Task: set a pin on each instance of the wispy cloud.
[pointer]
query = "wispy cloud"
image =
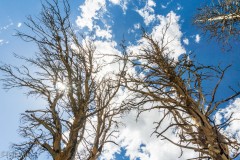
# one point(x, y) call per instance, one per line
point(122, 3)
point(2, 42)
point(147, 12)
point(164, 6)
point(103, 33)
point(179, 7)
point(6, 26)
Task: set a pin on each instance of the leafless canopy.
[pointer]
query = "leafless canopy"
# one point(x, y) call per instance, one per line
point(221, 19)
point(175, 88)
point(80, 115)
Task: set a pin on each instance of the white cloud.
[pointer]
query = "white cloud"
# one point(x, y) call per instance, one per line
point(90, 10)
point(117, 2)
point(104, 54)
point(163, 6)
point(19, 25)
point(151, 3)
point(197, 38)
point(136, 138)
point(224, 114)
point(186, 41)
point(173, 33)
point(147, 12)
point(91, 13)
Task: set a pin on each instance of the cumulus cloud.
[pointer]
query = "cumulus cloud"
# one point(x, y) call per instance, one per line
point(90, 10)
point(137, 139)
point(173, 35)
point(91, 14)
point(94, 10)
point(197, 38)
point(105, 54)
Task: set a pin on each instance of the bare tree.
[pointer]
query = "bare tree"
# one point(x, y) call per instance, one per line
point(221, 19)
point(80, 113)
point(176, 88)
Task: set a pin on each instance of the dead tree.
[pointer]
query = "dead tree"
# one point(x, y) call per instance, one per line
point(221, 19)
point(175, 87)
point(79, 115)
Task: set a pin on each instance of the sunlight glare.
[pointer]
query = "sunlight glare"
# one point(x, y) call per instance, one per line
point(61, 86)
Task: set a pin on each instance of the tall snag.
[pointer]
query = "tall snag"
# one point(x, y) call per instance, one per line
point(176, 88)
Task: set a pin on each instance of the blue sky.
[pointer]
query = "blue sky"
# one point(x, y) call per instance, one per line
point(113, 20)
